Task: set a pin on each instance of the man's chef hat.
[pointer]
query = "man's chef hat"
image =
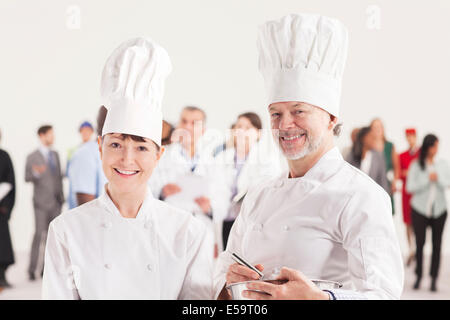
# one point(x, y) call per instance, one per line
point(132, 88)
point(302, 58)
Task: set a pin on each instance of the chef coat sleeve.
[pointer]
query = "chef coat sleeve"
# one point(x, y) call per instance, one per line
point(418, 179)
point(374, 257)
point(198, 280)
point(58, 282)
point(234, 244)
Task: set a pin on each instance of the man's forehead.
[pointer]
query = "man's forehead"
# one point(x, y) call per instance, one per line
point(289, 104)
point(191, 114)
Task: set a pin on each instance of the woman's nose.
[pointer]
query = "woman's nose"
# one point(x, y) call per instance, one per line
point(128, 155)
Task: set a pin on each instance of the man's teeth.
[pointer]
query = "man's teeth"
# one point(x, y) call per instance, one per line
point(126, 172)
point(292, 138)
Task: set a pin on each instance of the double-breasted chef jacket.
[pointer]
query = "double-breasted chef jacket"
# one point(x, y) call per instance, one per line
point(93, 252)
point(334, 223)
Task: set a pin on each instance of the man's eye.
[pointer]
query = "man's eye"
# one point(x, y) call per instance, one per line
point(298, 111)
point(274, 115)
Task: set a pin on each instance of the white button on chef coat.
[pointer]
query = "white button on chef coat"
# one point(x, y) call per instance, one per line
point(113, 262)
point(338, 226)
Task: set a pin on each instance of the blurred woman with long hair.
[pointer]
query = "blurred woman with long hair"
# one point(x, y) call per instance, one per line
point(427, 180)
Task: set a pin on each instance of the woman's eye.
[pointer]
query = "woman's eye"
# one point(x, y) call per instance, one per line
point(141, 148)
point(115, 145)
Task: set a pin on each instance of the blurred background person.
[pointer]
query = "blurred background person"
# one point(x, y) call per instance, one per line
point(364, 157)
point(245, 166)
point(167, 130)
point(405, 159)
point(427, 180)
point(229, 142)
point(86, 131)
point(7, 198)
point(187, 176)
point(387, 148)
point(43, 169)
point(86, 177)
point(347, 150)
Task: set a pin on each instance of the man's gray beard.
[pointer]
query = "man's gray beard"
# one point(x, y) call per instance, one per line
point(310, 148)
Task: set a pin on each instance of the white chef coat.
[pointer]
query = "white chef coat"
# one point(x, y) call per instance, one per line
point(93, 252)
point(334, 223)
point(258, 166)
point(174, 164)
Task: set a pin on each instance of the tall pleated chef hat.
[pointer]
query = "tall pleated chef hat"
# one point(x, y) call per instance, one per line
point(132, 88)
point(302, 58)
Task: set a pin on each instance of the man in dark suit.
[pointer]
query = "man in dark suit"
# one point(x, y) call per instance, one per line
point(7, 197)
point(44, 171)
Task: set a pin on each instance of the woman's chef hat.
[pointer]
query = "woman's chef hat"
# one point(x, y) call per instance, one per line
point(302, 58)
point(132, 88)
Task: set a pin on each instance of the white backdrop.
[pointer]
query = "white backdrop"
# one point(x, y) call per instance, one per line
point(53, 52)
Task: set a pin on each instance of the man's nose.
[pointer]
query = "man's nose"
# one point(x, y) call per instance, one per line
point(286, 121)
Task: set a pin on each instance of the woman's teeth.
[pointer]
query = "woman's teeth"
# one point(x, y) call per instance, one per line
point(126, 172)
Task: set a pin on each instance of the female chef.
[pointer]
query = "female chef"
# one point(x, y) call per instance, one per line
point(127, 244)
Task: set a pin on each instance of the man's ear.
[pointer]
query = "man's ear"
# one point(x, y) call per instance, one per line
point(333, 122)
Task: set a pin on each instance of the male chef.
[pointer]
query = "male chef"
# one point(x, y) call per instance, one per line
point(324, 219)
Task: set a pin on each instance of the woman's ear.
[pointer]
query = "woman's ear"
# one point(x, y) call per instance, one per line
point(99, 142)
point(160, 153)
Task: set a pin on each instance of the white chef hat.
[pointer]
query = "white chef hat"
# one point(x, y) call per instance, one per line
point(132, 88)
point(302, 58)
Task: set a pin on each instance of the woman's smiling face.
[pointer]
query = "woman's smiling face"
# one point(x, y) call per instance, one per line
point(127, 163)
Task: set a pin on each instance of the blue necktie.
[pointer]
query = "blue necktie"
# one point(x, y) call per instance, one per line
point(51, 162)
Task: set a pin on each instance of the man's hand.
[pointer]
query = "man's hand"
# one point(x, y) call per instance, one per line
point(39, 169)
point(204, 204)
point(238, 273)
point(170, 189)
point(297, 287)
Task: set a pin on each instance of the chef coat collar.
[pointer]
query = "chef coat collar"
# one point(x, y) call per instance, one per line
point(327, 165)
point(143, 213)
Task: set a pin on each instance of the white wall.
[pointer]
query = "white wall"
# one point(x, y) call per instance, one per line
point(50, 71)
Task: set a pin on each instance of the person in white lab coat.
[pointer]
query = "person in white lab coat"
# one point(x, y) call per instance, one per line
point(126, 244)
point(246, 164)
point(189, 178)
point(324, 219)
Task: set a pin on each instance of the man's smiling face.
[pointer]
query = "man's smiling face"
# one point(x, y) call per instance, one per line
point(298, 128)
